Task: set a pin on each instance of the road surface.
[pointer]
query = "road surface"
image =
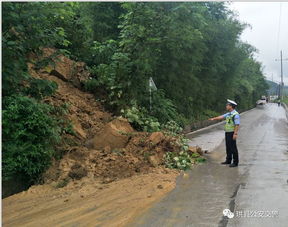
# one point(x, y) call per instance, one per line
point(256, 192)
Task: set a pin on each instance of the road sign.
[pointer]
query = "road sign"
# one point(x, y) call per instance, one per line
point(152, 84)
point(153, 87)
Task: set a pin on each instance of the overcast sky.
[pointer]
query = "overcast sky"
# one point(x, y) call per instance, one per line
point(264, 18)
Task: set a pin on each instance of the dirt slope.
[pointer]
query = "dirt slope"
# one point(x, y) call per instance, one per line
point(104, 147)
point(109, 172)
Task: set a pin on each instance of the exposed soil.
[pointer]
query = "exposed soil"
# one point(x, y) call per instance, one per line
point(109, 172)
point(104, 147)
point(86, 202)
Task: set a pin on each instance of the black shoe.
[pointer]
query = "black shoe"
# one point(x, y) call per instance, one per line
point(225, 163)
point(233, 165)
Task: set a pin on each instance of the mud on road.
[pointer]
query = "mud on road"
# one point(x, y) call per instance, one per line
point(258, 184)
point(200, 195)
point(86, 203)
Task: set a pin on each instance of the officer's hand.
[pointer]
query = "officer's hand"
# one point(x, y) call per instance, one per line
point(235, 136)
point(211, 119)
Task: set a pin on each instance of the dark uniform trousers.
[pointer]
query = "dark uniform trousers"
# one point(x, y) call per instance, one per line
point(231, 148)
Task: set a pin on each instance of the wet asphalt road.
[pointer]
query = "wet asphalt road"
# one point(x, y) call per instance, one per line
point(256, 191)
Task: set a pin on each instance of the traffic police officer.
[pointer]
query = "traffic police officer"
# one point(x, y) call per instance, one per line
point(231, 132)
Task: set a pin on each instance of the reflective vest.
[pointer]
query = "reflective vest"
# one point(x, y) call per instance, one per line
point(230, 125)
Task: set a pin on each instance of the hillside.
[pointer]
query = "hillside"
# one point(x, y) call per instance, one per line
point(81, 116)
point(195, 63)
point(274, 88)
point(103, 146)
point(105, 161)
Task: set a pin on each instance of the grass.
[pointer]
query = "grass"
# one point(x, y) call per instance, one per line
point(285, 100)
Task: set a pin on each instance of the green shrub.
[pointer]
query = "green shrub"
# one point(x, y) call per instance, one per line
point(172, 128)
point(39, 88)
point(140, 119)
point(200, 159)
point(91, 85)
point(285, 100)
point(181, 160)
point(29, 133)
point(109, 82)
point(183, 142)
point(163, 108)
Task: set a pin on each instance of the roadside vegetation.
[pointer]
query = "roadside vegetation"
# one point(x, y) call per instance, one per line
point(191, 50)
point(285, 100)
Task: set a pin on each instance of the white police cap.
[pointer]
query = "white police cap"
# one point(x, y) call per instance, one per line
point(231, 102)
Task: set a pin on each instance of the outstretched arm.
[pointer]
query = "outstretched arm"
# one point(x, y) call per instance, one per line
point(216, 118)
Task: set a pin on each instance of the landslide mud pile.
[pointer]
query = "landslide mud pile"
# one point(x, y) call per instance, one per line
point(103, 147)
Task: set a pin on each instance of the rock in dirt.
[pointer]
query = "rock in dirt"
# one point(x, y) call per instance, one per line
point(154, 160)
point(77, 126)
point(115, 134)
point(65, 68)
point(159, 186)
point(195, 149)
point(192, 149)
point(77, 172)
point(107, 149)
point(199, 150)
point(156, 137)
point(107, 180)
point(119, 151)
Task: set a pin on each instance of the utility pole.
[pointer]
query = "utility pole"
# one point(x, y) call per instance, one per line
point(275, 90)
point(282, 83)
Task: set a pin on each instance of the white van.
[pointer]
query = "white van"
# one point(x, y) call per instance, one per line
point(262, 101)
